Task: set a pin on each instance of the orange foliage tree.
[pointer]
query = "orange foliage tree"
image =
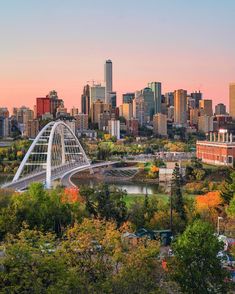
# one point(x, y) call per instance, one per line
point(209, 205)
point(71, 195)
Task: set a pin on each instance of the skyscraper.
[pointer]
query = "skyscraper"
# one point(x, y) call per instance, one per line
point(180, 107)
point(156, 87)
point(128, 97)
point(85, 100)
point(220, 109)
point(232, 100)
point(205, 107)
point(197, 96)
point(108, 79)
point(97, 92)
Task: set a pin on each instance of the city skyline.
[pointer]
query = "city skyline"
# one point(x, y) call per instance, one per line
point(182, 45)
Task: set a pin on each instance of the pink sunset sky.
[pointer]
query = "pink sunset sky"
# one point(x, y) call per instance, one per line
point(54, 45)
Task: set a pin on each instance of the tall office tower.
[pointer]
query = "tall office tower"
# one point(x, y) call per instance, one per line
point(145, 98)
point(85, 100)
point(232, 100)
point(97, 108)
point(160, 124)
point(169, 98)
point(108, 79)
point(197, 96)
point(205, 107)
point(220, 109)
point(55, 103)
point(4, 122)
point(205, 123)
point(128, 97)
point(126, 110)
point(97, 92)
point(180, 107)
point(193, 116)
point(156, 87)
point(113, 99)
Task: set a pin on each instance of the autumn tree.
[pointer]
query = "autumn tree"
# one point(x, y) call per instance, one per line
point(209, 205)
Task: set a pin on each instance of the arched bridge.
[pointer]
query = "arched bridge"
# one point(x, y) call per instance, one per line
point(54, 154)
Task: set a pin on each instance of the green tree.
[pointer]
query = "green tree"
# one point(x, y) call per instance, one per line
point(31, 264)
point(106, 202)
point(195, 265)
point(176, 193)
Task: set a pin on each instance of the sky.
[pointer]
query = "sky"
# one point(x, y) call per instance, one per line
point(62, 44)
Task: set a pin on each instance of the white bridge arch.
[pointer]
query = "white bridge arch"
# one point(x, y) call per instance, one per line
point(55, 151)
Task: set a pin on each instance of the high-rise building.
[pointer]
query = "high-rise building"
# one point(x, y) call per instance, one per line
point(97, 108)
point(197, 96)
point(4, 122)
point(108, 79)
point(114, 128)
point(128, 97)
point(169, 99)
point(205, 107)
point(32, 128)
point(85, 100)
point(220, 109)
point(180, 107)
point(144, 106)
point(104, 118)
point(156, 87)
point(193, 116)
point(160, 124)
point(81, 121)
point(97, 92)
point(43, 106)
point(113, 99)
point(126, 110)
point(205, 123)
point(232, 100)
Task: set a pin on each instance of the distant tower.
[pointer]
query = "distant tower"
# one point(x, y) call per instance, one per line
point(156, 87)
point(108, 79)
point(85, 100)
point(232, 100)
point(180, 107)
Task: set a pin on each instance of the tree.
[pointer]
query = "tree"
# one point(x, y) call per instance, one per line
point(195, 265)
point(176, 194)
point(105, 202)
point(228, 189)
point(31, 264)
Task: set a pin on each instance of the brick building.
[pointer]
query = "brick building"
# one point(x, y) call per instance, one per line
point(219, 149)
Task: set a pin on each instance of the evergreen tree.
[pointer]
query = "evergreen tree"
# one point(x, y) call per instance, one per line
point(228, 189)
point(177, 201)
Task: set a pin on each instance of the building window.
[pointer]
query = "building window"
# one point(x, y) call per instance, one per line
point(230, 159)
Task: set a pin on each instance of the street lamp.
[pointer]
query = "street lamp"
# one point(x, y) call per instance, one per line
point(218, 222)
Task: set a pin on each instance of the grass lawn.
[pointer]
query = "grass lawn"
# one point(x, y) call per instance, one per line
point(131, 198)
